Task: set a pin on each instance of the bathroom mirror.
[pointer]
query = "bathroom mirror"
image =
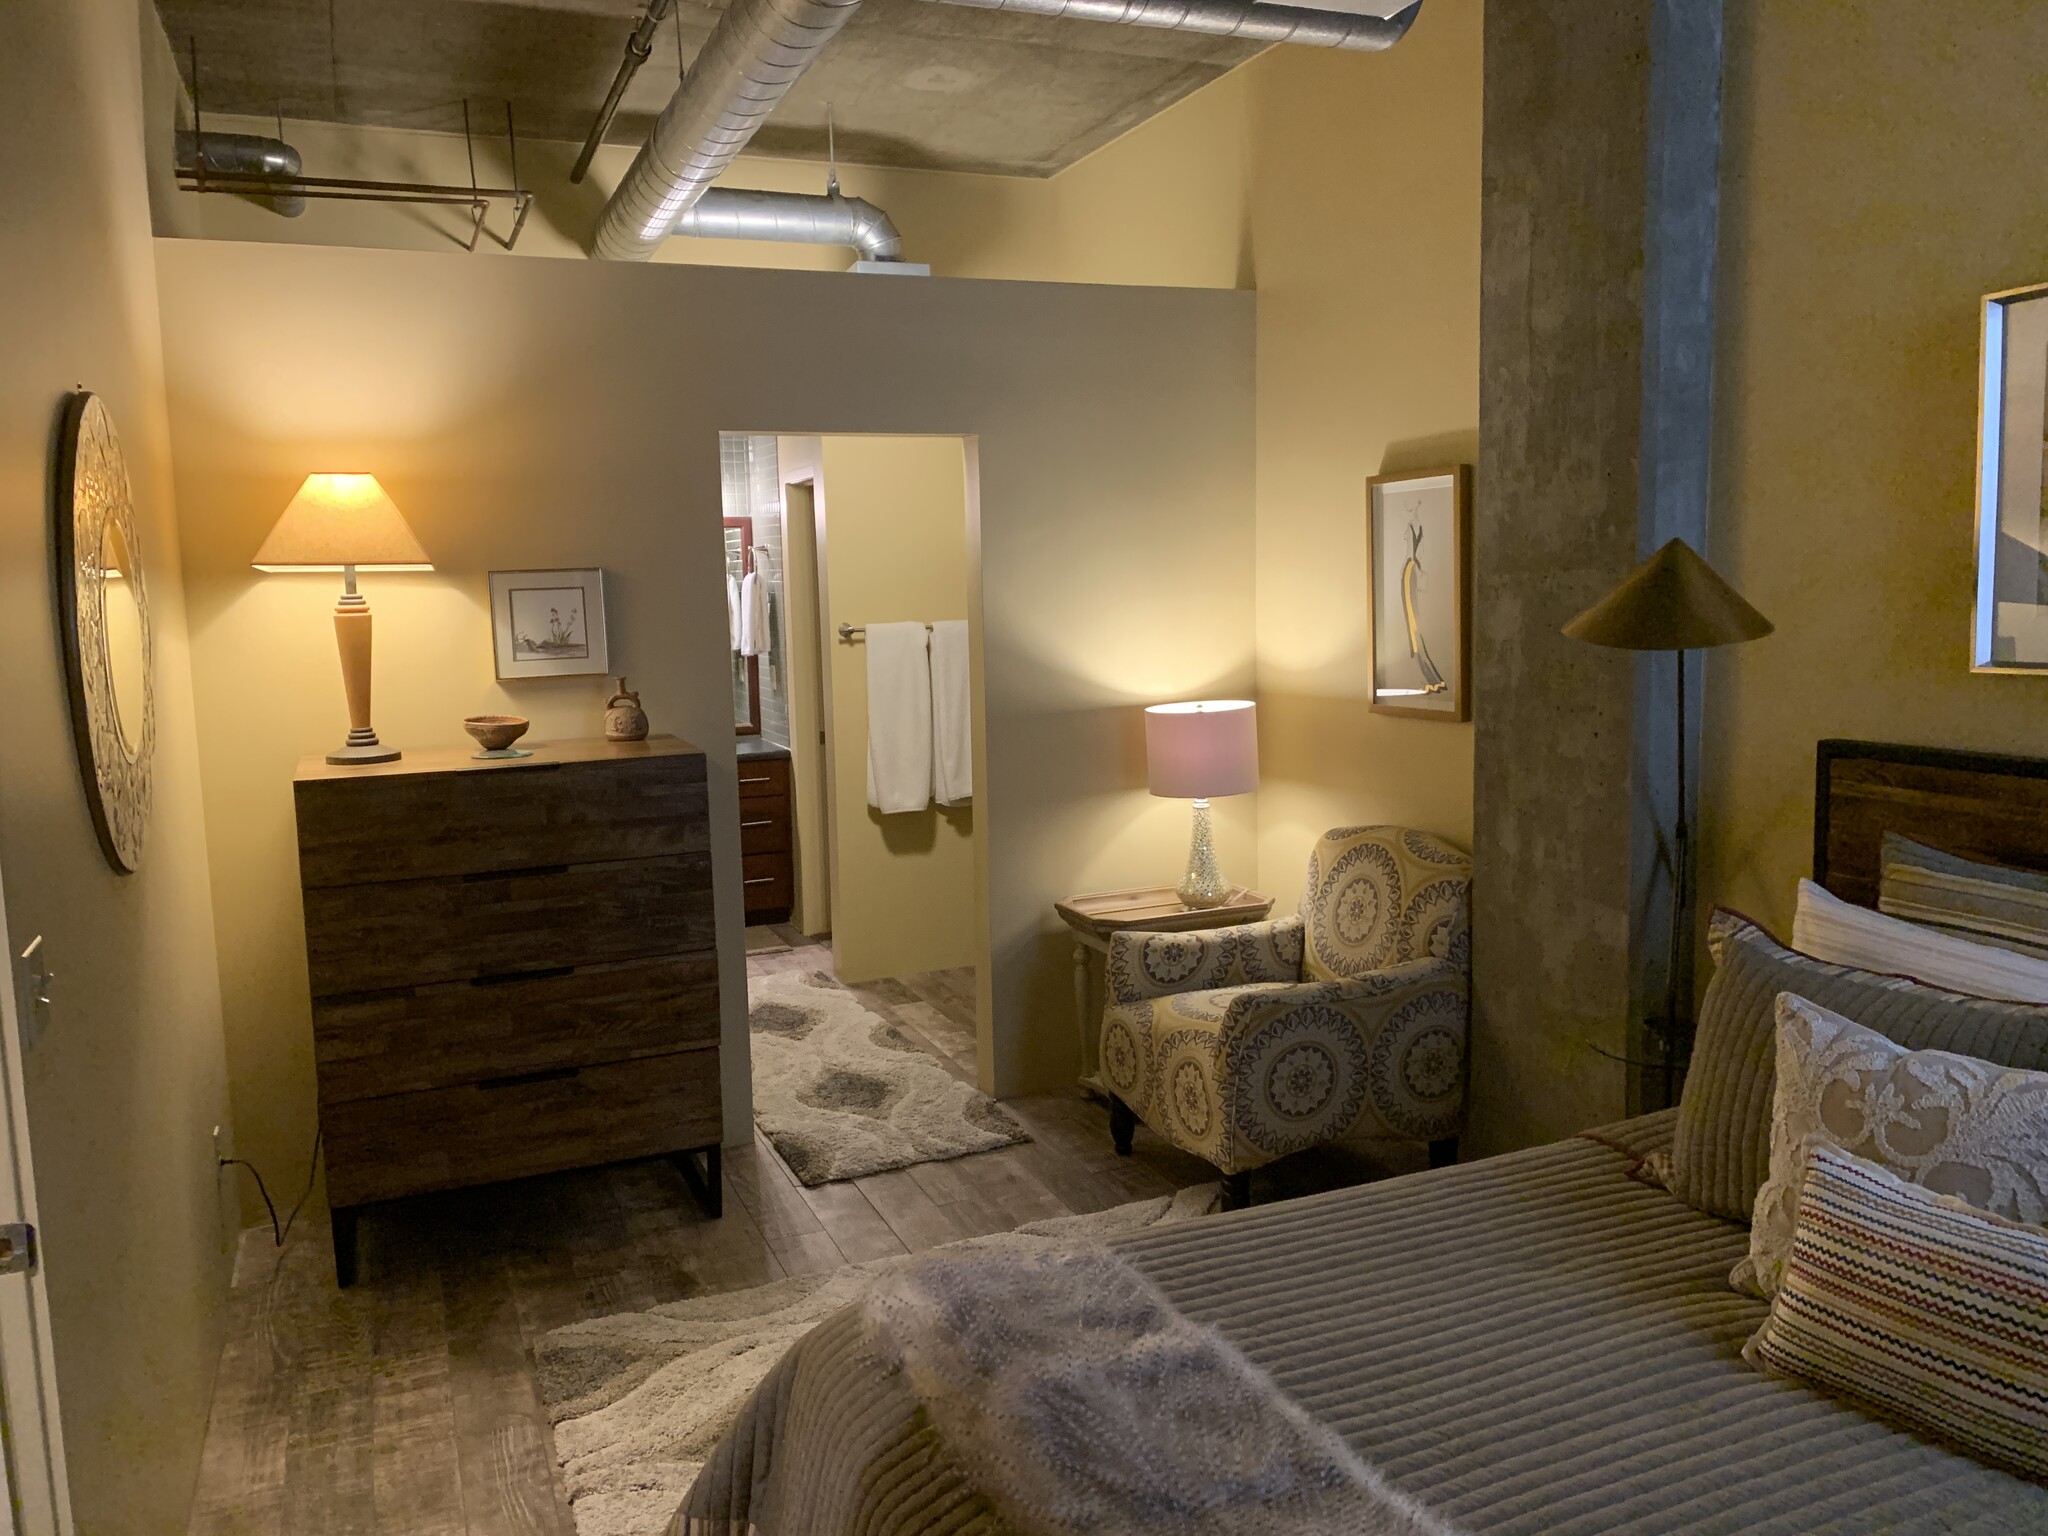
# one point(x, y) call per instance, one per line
point(103, 603)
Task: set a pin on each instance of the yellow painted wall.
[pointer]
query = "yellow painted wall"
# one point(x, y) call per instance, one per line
point(1364, 233)
point(556, 413)
point(903, 887)
point(1877, 181)
point(128, 1080)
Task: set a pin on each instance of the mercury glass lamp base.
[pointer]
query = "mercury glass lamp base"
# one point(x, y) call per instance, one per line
point(1203, 885)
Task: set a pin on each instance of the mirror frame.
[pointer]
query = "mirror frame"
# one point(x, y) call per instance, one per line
point(91, 491)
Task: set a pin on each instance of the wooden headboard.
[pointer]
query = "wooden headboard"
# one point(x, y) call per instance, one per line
point(1982, 805)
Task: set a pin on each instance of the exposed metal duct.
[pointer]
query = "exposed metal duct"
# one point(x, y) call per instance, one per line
point(247, 154)
point(802, 218)
point(639, 47)
point(747, 65)
point(1258, 22)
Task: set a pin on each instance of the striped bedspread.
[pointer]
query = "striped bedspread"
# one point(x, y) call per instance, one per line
point(1531, 1344)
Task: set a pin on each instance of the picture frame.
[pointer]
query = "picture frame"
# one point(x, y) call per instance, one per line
point(2009, 613)
point(548, 624)
point(1419, 565)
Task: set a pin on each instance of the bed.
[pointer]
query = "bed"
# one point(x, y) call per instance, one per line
point(1542, 1342)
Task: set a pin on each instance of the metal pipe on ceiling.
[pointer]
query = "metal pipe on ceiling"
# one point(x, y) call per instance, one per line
point(242, 155)
point(1252, 20)
point(639, 46)
point(802, 218)
point(754, 55)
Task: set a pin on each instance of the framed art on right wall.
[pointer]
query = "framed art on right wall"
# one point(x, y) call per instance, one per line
point(2009, 621)
point(1421, 573)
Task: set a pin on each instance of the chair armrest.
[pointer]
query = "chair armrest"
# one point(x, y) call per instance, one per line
point(1148, 965)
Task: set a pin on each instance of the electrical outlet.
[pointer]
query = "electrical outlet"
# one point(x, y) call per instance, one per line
point(223, 1144)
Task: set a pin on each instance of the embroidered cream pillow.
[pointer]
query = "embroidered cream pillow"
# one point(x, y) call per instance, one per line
point(1951, 1124)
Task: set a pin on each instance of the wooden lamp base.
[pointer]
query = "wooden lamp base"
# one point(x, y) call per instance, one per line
point(352, 635)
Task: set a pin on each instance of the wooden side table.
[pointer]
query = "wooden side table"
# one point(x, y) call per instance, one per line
point(1148, 909)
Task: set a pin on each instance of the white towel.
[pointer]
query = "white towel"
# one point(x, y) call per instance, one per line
point(899, 719)
point(952, 715)
point(753, 636)
point(732, 610)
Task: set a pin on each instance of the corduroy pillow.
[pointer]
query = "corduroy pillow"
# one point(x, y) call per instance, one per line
point(1721, 1153)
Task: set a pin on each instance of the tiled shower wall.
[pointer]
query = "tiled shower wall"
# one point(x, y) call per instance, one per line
point(753, 488)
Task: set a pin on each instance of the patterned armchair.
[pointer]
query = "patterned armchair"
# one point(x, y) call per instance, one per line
point(1244, 1044)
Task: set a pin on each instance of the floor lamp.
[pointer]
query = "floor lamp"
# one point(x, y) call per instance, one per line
point(1674, 601)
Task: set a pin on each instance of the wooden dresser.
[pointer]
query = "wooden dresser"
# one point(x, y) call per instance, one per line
point(512, 967)
point(767, 833)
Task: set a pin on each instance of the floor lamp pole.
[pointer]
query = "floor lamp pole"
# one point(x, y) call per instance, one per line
point(1681, 868)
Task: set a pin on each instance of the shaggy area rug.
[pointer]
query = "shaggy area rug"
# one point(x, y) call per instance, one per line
point(840, 1092)
point(638, 1400)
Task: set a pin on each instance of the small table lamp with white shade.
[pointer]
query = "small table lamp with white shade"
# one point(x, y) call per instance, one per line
point(1200, 752)
point(346, 523)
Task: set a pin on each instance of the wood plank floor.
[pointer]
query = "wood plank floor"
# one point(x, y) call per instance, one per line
point(407, 1403)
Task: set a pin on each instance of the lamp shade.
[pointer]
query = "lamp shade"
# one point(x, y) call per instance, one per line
point(1673, 601)
point(1202, 750)
point(339, 520)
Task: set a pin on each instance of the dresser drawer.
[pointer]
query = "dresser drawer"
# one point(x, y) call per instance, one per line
point(466, 1031)
point(422, 825)
point(403, 933)
point(769, 880)
point(764, 826)
point(516, 1127)
point(764, 778)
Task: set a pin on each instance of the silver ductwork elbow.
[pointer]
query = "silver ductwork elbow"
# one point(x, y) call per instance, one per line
point(1253, 22)
point(756, 52)
point(243, 154)
point(723, 213)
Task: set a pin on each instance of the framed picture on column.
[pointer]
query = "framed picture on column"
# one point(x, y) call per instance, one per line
point(1420, 575)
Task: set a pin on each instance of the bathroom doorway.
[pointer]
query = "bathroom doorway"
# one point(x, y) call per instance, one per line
point(869, 694)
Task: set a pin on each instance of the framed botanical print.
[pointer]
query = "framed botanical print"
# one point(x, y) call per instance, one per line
point(2009, 631)
point(548, 624)
point(1421, 576)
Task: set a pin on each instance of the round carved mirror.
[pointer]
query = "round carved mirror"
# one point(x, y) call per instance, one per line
point(104, 604)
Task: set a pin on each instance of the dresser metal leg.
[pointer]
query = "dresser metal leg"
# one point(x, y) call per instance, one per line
point(343, 1224)
point(708, 1183)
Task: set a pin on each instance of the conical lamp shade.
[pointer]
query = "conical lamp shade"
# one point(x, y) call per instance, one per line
point(1673, 601)
point(338, 520)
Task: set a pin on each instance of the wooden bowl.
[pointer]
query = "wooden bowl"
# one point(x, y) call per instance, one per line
point(494, 733)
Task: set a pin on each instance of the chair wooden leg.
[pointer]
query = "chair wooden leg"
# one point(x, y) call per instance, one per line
point(1123, 1124)
point(1237, 1190)
point(343, 1223)
point(1443, 1152)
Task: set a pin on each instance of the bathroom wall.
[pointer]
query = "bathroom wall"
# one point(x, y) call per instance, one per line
point(904, 896)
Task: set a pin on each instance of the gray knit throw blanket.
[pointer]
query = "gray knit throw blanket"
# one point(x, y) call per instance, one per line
point(1078, 1400)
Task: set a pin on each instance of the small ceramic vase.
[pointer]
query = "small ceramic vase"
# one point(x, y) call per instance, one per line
point(624, 719)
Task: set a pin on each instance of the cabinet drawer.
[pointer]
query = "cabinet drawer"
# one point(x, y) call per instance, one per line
point(764, 826)
point(769, 881)
point(513, 1128)
point(417, 826)
point(403, 933)
point(763, 778)
point(466, 1031)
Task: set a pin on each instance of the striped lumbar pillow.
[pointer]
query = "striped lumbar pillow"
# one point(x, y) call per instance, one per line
point(1931, 1312)
point(1986, 902)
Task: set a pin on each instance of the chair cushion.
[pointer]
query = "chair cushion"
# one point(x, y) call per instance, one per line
point(1381, 896)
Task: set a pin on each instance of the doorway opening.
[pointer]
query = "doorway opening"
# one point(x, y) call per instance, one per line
point(855, 606)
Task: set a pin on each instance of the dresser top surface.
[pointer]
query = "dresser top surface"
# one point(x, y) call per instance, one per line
point(438, 760)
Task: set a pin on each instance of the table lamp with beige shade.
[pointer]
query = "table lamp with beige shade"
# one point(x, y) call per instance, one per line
point(1200, 751)
point(346, 523)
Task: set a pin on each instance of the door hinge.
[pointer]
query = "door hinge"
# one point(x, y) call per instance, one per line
point(17, 1248)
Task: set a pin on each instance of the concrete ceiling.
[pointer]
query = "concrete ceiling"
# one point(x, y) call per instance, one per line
point(910, 83)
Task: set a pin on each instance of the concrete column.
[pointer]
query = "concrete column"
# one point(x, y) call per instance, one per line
point(1595, 341)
